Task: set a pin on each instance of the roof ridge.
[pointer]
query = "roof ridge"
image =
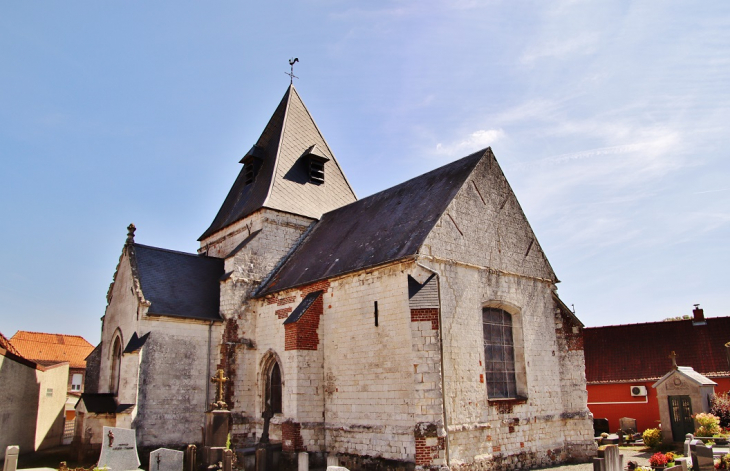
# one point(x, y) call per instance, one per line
point(278, 145)
point(50, 333)
point(195, 255)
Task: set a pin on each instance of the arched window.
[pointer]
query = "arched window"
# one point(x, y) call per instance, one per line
point(273, 389)
point(499, 353)
point(116, 363)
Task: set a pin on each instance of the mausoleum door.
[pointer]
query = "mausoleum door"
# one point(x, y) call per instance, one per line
point(680, 413)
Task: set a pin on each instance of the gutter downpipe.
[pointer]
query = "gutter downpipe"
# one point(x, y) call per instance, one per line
point(441, 353)
point(207, 389)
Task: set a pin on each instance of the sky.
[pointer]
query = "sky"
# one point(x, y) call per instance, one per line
point(609, 119)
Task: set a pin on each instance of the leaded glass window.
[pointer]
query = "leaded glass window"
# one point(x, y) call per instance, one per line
point(499, 353)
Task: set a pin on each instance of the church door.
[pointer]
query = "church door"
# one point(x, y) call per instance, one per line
point(680, 413)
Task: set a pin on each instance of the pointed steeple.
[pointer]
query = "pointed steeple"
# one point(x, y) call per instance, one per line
point(290, 168)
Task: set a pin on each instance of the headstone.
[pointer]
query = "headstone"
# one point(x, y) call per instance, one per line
point(687, 440)
point(261, 458)
point(599, 464)
point(191, 458)
point(332, 460)
point(119, 449)
point(612, 460)
point(702, 458)
point(303, 464)
point(600, 426)
point(164, 459)
point(11, 458)
point(228, 460)
point(626, 424)
point(337, 468)
point(682, 463)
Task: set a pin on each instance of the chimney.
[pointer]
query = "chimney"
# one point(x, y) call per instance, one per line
point(699, 314)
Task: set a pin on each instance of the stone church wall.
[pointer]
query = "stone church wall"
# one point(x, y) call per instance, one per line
point(486, 255)
point(175, 357)
point(121, 317)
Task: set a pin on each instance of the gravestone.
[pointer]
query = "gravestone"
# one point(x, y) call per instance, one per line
point(600, 426)
point(11, 458)
point(626, 424)
point(119, 449)
point(164, 459)
point(702, 459)
point(612, 460)
point(687, 440)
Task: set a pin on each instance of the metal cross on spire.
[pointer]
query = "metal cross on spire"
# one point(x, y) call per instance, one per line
point(291, 74)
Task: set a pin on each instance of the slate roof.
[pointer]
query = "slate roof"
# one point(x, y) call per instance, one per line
point(99, 403)
point(282, 182)
point(384, 227)
point(639, 352)
point(179, 284)
point(49, 349)
point(303, 307)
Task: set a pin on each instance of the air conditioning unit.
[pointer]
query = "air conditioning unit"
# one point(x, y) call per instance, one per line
point(638, 390)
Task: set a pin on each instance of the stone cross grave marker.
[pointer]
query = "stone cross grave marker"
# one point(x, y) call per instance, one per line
point(119, 449)
point(164, 459)
point(11, 458)
point(613, 461)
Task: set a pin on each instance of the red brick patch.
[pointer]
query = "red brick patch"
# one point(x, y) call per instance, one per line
point(302, 334)
point(431, 315)
point(287, 300)
point(283, 313)
point(426, 454)
point(291, 437)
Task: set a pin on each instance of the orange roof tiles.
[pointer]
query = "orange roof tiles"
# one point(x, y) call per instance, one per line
point(5, 343)
point(48, 349)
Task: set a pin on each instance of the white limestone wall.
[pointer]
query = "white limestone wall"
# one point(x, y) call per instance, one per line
point(277, 229)
point(176, 368)
point(486, 254)
point(121, 318)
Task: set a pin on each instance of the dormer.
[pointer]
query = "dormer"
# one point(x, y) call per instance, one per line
point(252, 163)
point(315, 160)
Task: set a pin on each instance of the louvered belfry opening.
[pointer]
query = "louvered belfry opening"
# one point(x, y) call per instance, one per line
point(252, 163)
point(316, 159)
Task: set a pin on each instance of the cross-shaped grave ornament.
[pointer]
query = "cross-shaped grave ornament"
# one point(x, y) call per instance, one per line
point(220, 379)
point(673, 356)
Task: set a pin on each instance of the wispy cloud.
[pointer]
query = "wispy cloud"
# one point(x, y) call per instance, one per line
point(580, 45)
point(473, 142)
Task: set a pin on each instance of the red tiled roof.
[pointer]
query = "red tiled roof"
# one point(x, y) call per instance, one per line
point(641, 351)
point(48, 349)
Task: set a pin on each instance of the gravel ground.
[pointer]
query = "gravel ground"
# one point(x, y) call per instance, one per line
point(630, 454)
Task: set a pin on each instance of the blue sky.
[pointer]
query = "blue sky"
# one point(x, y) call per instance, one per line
point(610, 120)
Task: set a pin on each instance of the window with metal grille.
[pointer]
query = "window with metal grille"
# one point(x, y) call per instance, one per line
point(499, 353)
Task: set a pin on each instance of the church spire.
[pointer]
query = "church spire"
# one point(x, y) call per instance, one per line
point(290, 168)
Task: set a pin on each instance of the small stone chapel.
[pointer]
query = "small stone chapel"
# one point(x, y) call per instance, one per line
point(419, 326)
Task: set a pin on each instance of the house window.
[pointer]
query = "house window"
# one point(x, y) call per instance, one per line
point(499, 353)
point(49, 392)
point(273, 389)
point(76, 382)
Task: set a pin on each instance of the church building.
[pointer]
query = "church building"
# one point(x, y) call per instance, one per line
point(419, 326)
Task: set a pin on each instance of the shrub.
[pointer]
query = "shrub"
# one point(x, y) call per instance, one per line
point(652, 437)
point(658, 459)
point(709, 425)
point(720, 407)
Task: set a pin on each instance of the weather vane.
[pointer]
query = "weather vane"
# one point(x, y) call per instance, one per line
point(291, 74)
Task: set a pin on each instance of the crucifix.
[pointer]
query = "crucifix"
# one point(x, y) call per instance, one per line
point(158, 462)
point(673, 356)
point(110, 435)
point(220, 379)
point(291, 74)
